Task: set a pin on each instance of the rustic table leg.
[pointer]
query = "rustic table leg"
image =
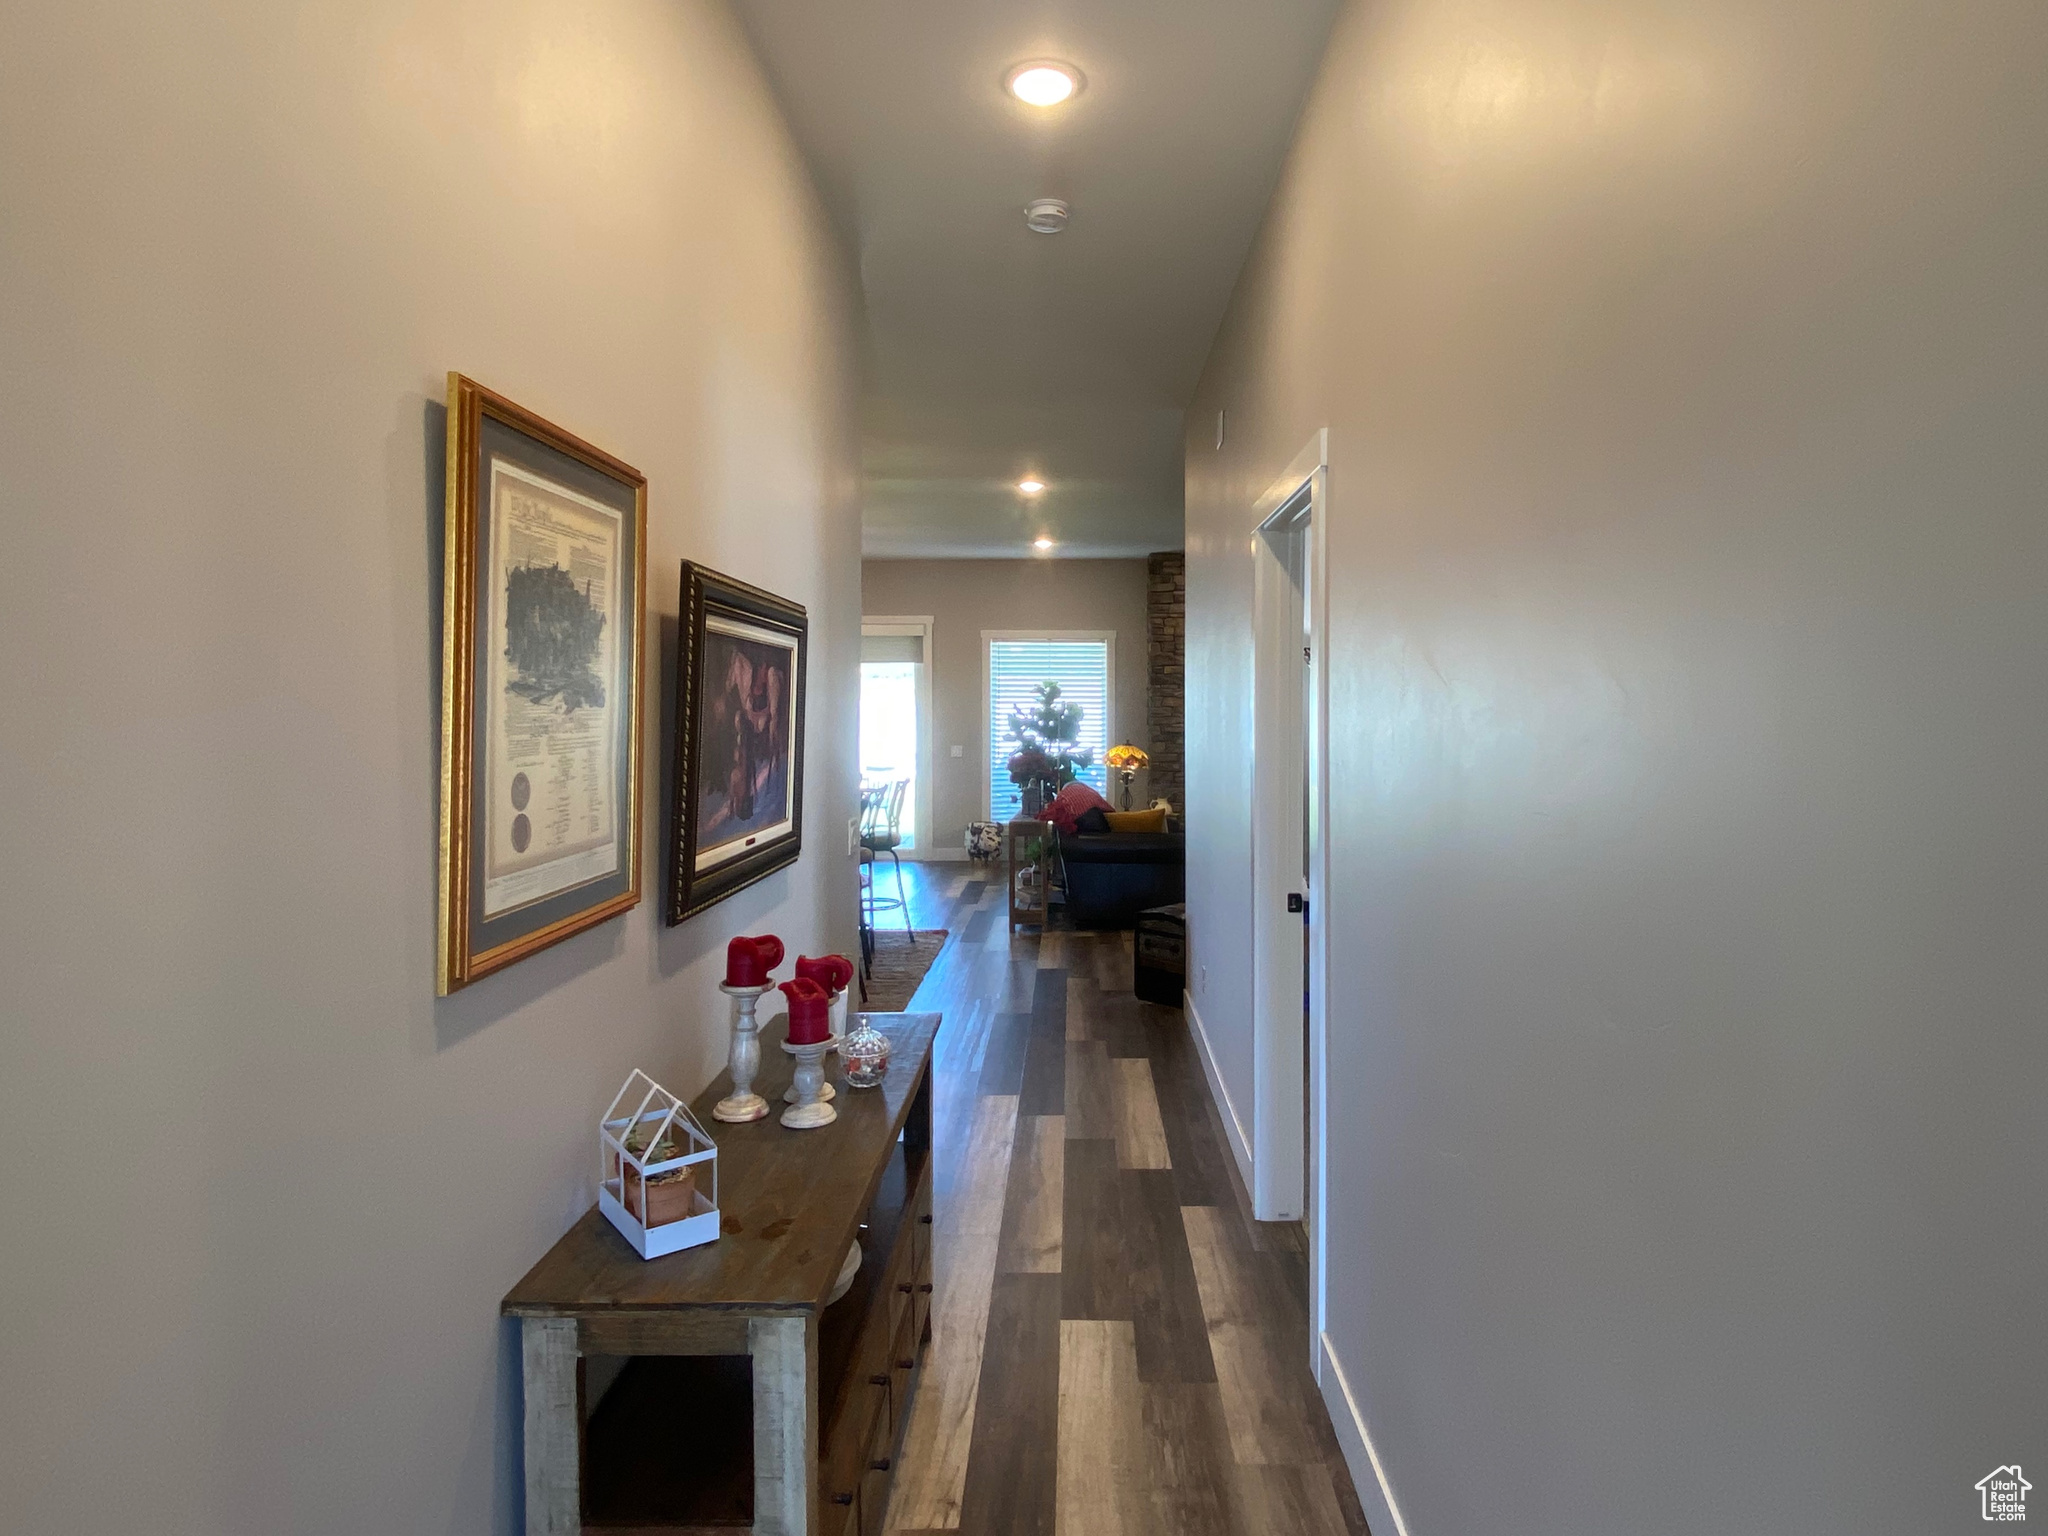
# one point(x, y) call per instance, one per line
point(554, 1429)
point(785, 1351)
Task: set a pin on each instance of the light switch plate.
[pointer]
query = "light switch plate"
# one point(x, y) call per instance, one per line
point(958, 750)
point(852, 835)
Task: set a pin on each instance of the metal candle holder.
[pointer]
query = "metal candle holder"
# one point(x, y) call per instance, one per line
point(743, 1104)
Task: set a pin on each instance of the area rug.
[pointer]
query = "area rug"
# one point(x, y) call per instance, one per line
point(900, 963)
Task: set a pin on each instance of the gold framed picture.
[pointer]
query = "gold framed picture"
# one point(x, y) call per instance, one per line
point(543, 612)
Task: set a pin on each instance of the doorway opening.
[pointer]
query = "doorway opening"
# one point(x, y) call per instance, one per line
point(895, 718)
point(1289, 861)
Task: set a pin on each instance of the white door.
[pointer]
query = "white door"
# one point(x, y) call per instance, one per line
point(1290, 699)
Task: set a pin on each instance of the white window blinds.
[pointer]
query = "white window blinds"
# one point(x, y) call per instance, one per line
point(1015, 669)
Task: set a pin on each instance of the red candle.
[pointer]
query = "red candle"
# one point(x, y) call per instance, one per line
point(748, 961)
point(832, 972)
point(810, 1011)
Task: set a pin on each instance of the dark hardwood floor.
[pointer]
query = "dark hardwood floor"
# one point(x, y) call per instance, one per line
point(1117, 1347)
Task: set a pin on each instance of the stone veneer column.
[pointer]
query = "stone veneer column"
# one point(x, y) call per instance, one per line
point(1166, 604)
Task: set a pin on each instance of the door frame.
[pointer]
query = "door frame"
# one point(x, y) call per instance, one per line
point(919, 624)
point(1290, 747)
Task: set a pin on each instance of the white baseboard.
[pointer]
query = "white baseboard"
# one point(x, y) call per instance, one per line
point(933, 855)
point(1233, 1126)
point(1367, 1475)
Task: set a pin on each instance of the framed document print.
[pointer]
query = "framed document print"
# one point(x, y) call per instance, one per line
point(739, 770)
point(542, 616)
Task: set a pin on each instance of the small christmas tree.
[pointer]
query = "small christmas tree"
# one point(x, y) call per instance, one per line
point(1045, 733)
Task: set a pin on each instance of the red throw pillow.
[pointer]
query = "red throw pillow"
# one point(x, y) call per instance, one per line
point(1068, 805)
point(1081, 796)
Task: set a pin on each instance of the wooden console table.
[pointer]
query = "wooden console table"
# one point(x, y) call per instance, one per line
point(747, 1403)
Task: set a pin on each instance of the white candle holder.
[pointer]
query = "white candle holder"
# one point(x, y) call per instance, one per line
point(744, 1060)
point(837, 1025)
point(809, 1111)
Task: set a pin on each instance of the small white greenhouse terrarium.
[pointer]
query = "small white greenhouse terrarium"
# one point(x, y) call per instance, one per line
point(657, 1170)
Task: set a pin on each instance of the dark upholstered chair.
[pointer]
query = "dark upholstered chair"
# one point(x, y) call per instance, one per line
point(1111, 877)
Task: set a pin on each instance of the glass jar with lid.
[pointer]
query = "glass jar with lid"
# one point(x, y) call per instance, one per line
point(865, 1052)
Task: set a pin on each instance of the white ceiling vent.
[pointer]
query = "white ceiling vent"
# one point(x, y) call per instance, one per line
point(1048, 215)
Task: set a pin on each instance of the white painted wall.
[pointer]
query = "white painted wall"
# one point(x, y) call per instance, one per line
point(259, 1192)
point(1684, 374)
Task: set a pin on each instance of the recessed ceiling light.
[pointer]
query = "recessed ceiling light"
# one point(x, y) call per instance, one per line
point(1043, 82)
point(1041, 543)
point(1030, 487)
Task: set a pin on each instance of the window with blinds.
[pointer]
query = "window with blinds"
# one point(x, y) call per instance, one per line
point(1016, 667)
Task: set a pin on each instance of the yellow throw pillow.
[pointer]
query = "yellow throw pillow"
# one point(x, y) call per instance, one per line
point(1136, 821)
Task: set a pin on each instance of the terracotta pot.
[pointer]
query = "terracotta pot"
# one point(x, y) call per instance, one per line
point(670, 1196)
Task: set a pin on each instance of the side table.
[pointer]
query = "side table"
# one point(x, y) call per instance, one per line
point(1028, 906)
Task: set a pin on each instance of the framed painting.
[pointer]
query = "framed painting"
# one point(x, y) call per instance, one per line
point(543, 609)
point(739, 769)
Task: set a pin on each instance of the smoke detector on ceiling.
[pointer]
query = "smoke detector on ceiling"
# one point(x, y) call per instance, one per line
point(1048, 215)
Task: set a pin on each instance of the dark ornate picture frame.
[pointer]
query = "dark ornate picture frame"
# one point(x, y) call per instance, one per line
point(741, 656)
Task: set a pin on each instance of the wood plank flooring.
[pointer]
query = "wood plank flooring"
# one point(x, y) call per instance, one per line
point(1117, 1348)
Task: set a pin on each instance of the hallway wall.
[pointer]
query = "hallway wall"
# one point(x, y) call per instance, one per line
point(965, 597)
point(1688, 613)
point(261, 1193)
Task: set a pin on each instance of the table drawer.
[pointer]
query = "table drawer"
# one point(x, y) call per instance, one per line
point(923, 1237)
point(910, 1264)
point(903, 1352)
point(877, 1476)
point(871, 1399)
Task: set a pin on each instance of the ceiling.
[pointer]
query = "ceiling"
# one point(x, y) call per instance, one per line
point(994, 352)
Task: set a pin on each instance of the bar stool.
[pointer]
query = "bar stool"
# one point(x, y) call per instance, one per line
point(881, 816)
point(869, 795)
